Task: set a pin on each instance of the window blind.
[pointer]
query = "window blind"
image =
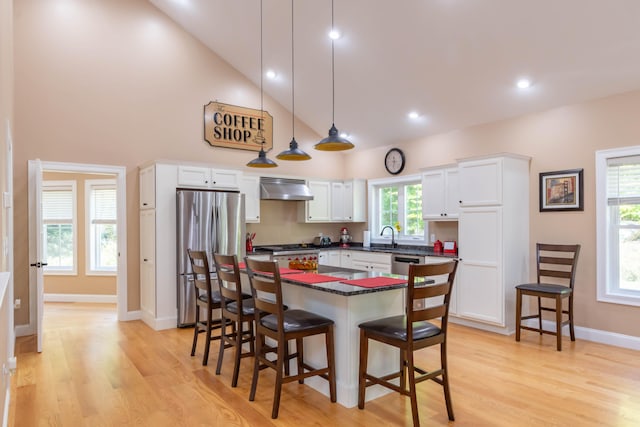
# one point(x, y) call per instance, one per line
point(57, 206)
point(623, 180)
point(103, 205)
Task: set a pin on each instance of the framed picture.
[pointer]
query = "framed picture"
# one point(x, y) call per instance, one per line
point(561, 191)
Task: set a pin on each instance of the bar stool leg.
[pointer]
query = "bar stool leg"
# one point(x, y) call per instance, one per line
point(364, 355)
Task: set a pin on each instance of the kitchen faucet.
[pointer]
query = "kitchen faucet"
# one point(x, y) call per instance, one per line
point(393, 234)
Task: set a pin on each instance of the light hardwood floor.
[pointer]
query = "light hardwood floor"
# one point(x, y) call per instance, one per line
point(95, 371)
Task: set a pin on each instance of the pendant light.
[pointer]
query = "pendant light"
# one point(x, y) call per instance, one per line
point(261, 161)
point(293, 153)
point(333, 142)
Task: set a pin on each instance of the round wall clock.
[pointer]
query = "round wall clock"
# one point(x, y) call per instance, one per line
point(394, 161)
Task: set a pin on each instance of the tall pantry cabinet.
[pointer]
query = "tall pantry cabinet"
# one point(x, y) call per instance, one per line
point(493, 235)
point(157, 245)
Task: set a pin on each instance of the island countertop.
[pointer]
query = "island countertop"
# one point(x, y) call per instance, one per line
point(341, 274)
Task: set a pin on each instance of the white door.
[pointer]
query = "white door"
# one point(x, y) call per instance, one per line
point(36, 277)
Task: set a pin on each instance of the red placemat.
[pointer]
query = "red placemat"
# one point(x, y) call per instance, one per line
point(310, 278)
point(374, 282)
point(288, 271)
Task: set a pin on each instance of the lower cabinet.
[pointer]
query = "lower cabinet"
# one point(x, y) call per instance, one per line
point(331, 258)
point(371, 261)
point(480, 284)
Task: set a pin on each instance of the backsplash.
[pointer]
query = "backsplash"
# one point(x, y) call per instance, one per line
point(279, 224)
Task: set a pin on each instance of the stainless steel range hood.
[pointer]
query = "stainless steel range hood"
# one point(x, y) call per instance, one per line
point(284, 189)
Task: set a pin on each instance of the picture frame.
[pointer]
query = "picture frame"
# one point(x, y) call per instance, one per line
point(562, 190)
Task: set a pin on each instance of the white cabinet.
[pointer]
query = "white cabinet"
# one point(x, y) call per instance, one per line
point(336, 201)
point(481, 182)
point(147, 261)
point(318, 209)
point(331, 257)
point(158, 249)
point(371, 261)
point(338, 208)
point(346, 260)
point(493, 237)
point(440, 194)
point(348, 201)
point(250, 187)
point(147, 178)
point(204, 177)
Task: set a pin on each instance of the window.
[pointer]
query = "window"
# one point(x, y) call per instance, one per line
point(102, 237)
point(59, 223)
point(618, 221)
point(397, 202)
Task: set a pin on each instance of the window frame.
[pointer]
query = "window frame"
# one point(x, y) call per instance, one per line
point(373, 186)
point(606, 291)
point(89, 185)
point(52, 185)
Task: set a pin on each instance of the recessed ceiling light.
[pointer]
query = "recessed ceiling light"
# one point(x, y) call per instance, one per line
point(523, 83)
point(271, 74)
point(414, 115)
point(334, 34)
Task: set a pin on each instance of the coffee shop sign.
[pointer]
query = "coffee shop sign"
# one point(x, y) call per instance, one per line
point(243, 128)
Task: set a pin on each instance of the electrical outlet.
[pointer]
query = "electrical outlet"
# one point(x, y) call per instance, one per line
point(433, 238)
point(17, 304)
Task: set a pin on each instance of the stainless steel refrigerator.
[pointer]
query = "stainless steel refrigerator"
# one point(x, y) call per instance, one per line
point(211, 221)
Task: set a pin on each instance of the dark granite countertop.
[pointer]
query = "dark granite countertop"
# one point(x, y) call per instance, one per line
point(341, 274)
point(400, 249)
point(346, 274)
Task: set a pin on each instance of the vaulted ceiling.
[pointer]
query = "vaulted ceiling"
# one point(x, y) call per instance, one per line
point(453, 62)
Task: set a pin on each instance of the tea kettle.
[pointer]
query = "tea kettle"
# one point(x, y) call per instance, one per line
point(437, 246)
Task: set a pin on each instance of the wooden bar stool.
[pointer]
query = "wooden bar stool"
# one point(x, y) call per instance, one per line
point(207, 300)
point(282, 326)
point(554, 262)
point(412, 332)
point(237, 308)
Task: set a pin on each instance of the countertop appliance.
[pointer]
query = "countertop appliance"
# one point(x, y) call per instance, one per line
point(345, 237)
point(284, 253)
point(322, 241)
point(211, 221)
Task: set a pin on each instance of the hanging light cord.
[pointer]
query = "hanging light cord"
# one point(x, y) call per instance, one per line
point(333, 73)
point(261, 73)
point(293, 86)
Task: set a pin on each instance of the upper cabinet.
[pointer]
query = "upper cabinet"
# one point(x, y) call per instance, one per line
point(440, 193)
point(250, 187)
point(481, 182)
point(203, 177)
point(147, 179)
point(336, 201)
point(348, 201)
point(318, 209)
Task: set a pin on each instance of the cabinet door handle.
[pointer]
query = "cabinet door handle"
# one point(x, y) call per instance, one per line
point(144, 204)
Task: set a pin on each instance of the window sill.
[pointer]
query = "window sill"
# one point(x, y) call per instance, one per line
point(619, 299)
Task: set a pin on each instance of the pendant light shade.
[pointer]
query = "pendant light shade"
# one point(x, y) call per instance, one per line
point(294, 152)
point(333, 142)
point(261, 161)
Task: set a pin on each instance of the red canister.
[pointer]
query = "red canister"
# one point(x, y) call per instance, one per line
point(437, 246)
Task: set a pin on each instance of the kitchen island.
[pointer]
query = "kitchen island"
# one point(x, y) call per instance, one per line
point(348, 306)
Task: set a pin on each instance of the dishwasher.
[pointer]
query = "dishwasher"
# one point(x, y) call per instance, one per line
point(400, 265)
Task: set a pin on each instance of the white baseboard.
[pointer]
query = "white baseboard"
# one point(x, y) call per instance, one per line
point(132, 315)
point(595, 335)
point(25, 330)
point(110, 299)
